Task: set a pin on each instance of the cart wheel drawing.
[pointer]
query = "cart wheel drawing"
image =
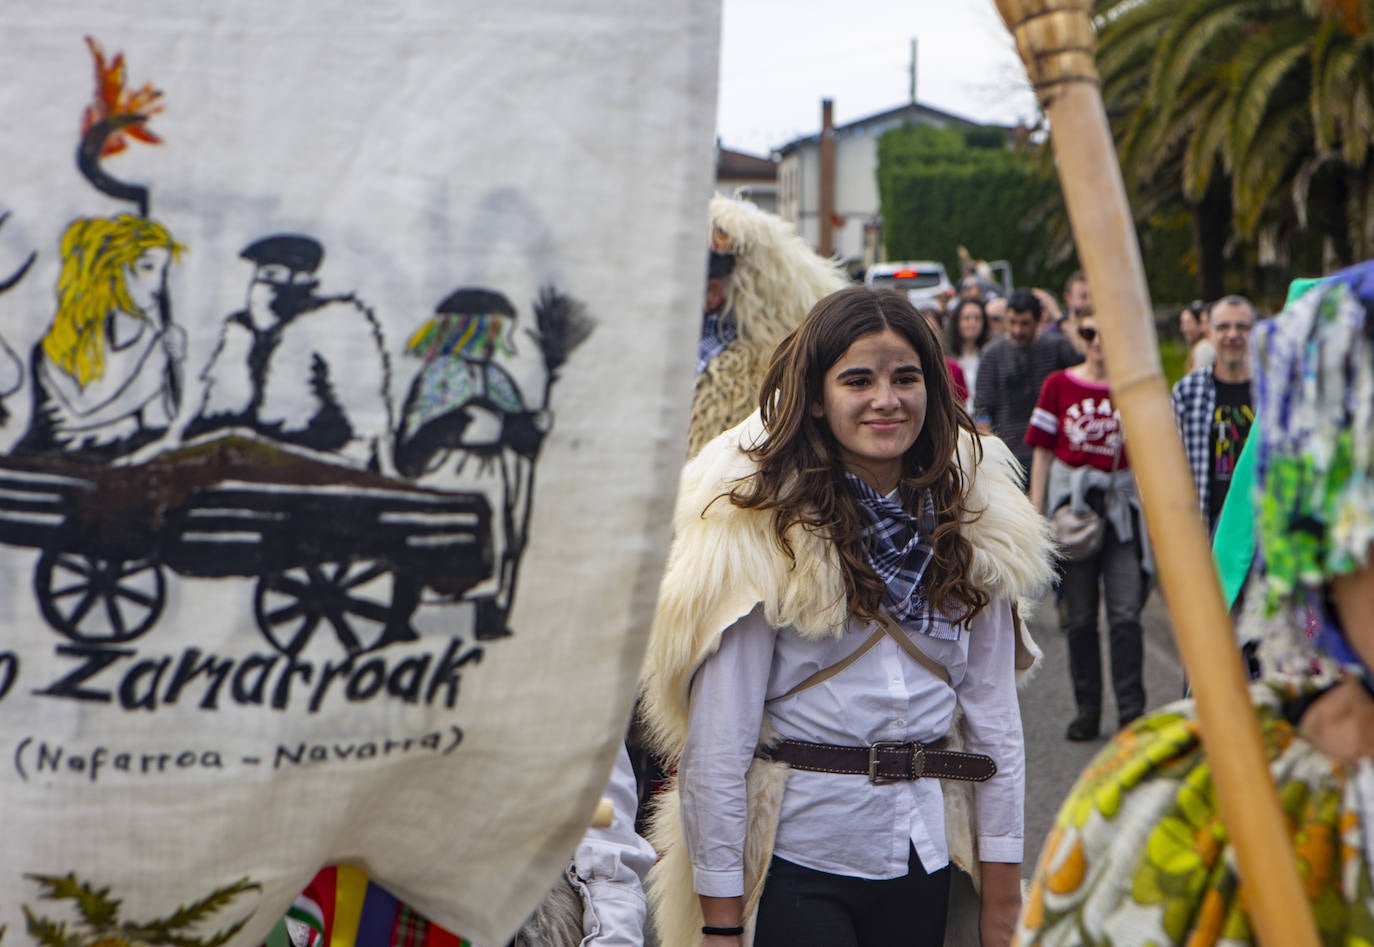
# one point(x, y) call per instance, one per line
point(96, 600)
point(364, 603)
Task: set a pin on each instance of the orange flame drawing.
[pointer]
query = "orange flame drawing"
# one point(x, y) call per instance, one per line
point(127, 110)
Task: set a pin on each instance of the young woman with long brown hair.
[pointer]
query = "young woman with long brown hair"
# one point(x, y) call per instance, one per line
point(966, 333)
point(833, 660)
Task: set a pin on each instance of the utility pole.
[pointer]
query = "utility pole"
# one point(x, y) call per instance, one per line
point(913, 70)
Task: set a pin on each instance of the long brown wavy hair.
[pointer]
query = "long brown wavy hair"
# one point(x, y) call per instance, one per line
point(800, 476)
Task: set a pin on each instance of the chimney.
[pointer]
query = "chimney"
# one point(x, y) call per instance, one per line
point(827, 211)
point(913, 70)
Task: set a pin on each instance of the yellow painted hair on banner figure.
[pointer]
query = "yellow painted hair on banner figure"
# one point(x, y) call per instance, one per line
point(98, 256)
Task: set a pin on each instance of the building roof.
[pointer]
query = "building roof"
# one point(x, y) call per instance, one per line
point(911, 111)
point(735, 165)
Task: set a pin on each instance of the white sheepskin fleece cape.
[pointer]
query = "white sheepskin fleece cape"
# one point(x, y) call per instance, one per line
point(724, 561)
point(776, 280)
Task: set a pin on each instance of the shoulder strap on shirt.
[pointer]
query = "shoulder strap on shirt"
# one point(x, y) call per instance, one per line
point(826, 673)
point(886, 626)
point(894, 631)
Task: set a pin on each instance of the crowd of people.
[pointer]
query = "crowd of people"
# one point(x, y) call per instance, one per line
point(831, 678)
point(851, 449)
point(837, 619)
point(1139, 852)
point(1037, 380)
point(767, 684)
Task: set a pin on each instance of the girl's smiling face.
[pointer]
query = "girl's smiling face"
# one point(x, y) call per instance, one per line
point(874, 403)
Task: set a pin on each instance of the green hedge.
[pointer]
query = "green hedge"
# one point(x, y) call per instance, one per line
point(943, 188)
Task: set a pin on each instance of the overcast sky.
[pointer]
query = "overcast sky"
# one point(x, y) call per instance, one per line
point(779, 58)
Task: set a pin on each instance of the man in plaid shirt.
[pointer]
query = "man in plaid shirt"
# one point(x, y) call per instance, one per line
point(1214, 407)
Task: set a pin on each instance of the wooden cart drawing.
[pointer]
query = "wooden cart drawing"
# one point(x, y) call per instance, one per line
point(331, 548)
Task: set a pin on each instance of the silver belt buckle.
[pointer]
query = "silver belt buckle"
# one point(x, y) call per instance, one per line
point(873, 776)
point(918, 761)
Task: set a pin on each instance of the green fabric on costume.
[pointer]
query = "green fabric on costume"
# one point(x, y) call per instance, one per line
point(1315, 367)
point(1233, 543)
point(1301, 285)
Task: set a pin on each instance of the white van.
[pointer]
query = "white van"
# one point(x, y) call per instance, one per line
point(925, 281)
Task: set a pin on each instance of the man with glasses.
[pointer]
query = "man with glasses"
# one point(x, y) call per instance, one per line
point(1214, 406)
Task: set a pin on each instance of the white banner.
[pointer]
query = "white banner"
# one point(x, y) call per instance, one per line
point(346, 359)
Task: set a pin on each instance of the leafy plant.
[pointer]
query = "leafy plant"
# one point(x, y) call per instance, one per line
point(945, 188)
point(1256, 117)
point(99, 923)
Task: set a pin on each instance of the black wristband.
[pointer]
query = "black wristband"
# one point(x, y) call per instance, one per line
point(735, 931)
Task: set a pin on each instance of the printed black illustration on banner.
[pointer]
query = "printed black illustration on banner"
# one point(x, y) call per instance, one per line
point(11, 368)
point(299, 367)
point(115, 115)
point(106, 376)
point(466, 414)
point(285, 465)
point(10, 281)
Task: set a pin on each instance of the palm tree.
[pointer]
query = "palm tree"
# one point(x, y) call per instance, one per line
point(1255, 115)
point(1170, 155)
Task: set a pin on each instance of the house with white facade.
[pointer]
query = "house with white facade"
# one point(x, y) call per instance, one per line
point(750, 177)
point(856, 219)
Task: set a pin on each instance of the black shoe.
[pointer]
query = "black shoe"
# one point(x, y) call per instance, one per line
point(1082, 728)
point(1124, 722)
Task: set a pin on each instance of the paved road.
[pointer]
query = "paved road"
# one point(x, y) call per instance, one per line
point(1052, 762)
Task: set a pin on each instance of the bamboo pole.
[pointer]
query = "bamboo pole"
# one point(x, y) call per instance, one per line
point(1055, 40)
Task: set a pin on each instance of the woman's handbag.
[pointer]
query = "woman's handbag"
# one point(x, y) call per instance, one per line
point(1078, 535)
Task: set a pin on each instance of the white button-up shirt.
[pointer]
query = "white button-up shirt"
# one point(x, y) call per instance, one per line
point(610, 866)
point(843, 824)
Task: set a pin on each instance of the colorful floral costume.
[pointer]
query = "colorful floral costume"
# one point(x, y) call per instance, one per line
point(1138, 854)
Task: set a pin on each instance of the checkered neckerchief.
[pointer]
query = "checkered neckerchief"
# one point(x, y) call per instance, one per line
point(898, 549)
point(717, 331)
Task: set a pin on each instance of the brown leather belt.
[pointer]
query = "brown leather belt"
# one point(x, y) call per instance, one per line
point(884, 762)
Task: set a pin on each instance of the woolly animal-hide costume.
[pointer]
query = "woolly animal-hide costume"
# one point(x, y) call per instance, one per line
point(724, 561)
point(776, 280)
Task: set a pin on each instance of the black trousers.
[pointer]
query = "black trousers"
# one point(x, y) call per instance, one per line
point(802, 907)
point(1116, 571)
